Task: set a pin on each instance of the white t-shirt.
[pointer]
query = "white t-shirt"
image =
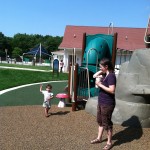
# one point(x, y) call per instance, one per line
point(61, 64)
point(47, 95)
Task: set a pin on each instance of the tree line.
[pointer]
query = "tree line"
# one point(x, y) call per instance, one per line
point(22, 43)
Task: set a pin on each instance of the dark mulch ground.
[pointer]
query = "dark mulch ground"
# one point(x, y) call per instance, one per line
point(26, 128)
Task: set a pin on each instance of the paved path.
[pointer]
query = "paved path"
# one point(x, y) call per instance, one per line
point(14, 88)
point(17, 87)
point(29, 69)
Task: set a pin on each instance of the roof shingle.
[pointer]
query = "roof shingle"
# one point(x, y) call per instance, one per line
point(128, 38)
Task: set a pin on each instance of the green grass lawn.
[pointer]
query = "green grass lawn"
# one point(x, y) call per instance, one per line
point(29, 95)
point(11, 78)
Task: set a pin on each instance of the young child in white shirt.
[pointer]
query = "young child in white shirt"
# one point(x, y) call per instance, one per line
point(48, 95)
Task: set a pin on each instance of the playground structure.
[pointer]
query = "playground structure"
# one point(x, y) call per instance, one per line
point(132, 90)
point(81, 84)
point(36, 51)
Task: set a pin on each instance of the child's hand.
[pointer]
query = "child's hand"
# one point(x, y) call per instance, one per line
point(41, 87)
point(99, 84)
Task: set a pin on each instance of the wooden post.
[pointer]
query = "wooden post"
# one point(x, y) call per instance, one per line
point(83, 45)
point(69, 98)
point(114, 49)
point(74, 105)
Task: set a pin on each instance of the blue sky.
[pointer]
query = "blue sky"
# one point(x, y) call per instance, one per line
point(50, 17)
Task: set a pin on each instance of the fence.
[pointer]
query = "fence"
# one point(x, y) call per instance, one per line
point(122, 56)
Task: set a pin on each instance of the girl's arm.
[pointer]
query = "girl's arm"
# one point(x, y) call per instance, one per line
point(97, 74)
point(110, 89)
point(51, 96)
point(41, 88)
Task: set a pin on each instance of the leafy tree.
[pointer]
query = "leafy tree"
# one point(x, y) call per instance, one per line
point(5, 43)
point(2, 40)
point(22, 43)
point(16, 52)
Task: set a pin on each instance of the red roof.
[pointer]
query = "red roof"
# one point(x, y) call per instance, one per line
point(128, 38)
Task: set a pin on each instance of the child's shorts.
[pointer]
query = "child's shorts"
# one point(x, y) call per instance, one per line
point(46, 104)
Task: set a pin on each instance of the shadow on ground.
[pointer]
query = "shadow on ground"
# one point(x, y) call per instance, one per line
point(61, 113)
point(133, 131)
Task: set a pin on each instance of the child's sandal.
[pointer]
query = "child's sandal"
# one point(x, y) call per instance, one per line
point(95, 141)
point(107, 147)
